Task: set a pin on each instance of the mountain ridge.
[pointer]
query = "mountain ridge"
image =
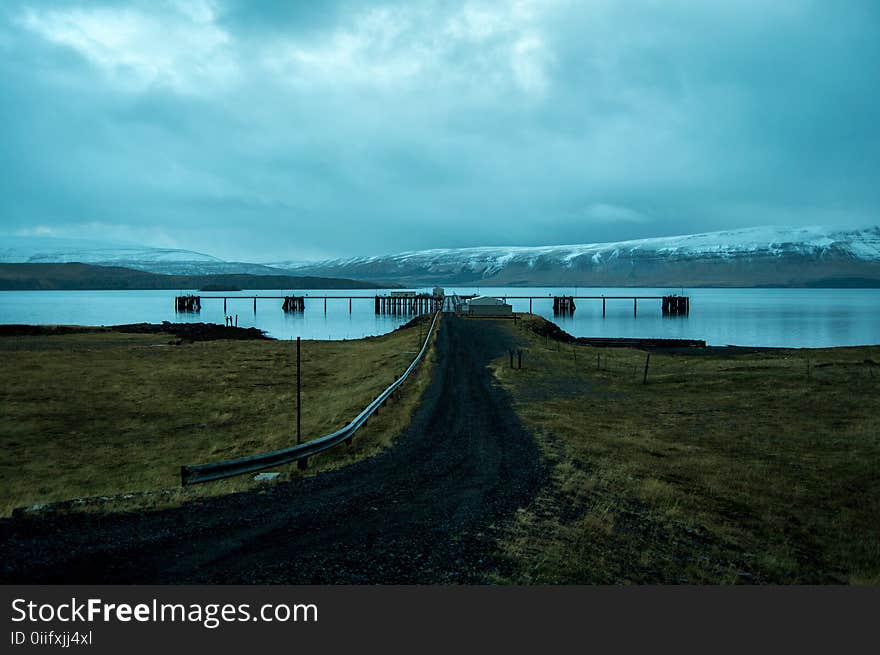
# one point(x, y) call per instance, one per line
point(749, 257)
point(767, 256)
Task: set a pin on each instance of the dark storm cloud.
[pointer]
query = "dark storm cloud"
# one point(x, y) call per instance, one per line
point(288, 130)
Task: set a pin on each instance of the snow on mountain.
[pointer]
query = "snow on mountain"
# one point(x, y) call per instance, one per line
point(172, 261)
point(746, 257)
point(54, 250)
point(771, 252)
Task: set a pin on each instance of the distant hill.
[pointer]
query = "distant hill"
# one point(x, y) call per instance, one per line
point(173, 261)
point(74, 276)
point(796, 257)
point(752, 257)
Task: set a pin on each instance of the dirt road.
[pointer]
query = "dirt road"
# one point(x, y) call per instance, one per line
point(427, 510)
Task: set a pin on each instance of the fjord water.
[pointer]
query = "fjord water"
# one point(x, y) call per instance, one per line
point(796, 318)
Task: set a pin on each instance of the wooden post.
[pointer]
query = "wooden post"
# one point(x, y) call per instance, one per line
point(635, 306)
point(224, 305)
point(530, 305)
point(349, 304)
point(603, 306)
point(647, 361)
point(255, 304)
point(325, 304)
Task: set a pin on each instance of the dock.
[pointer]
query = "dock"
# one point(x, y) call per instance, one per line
point(671, 305)
point(393, 304)
point(411, 303)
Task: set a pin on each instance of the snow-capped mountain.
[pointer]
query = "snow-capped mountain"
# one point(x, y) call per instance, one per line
point(49, 250)
point(746, 257)
point(172, 261)
point(767, 256)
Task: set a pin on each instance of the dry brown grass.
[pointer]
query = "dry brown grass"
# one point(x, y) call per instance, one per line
point(102, 414)
point(761, 467)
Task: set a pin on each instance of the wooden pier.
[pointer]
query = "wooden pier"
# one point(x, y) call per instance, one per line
point(676, 305)
point(416, 304)
point(412, 304)
point(565, 305)
point(394, 304)
point(293, 304)
point(187, 303)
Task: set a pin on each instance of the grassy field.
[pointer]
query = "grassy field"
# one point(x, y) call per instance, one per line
point(108, 413)
point(759, 467)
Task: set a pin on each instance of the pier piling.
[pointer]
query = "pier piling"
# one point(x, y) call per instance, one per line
point(188, 303)
point(293, 304)
point(676, 305)
point(405, 305)
point(563, 305)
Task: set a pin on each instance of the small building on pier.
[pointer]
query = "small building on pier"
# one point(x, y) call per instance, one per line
point(485, 306)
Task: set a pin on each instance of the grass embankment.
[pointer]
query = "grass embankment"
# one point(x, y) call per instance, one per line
point(759, 467)
point(108, 413)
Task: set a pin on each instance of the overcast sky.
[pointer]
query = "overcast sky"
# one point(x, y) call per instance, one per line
point(263, 131)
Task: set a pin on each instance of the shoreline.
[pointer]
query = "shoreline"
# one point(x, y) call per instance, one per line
point(189, 332)
point(183, 331)
point(548, 329)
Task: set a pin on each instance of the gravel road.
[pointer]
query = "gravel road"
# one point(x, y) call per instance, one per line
point(428, 510)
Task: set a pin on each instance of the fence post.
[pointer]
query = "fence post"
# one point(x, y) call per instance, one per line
point(647, 361)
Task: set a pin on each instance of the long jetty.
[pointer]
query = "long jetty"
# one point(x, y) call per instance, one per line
point(671, 305)
point(394, 304)
point(401, 304)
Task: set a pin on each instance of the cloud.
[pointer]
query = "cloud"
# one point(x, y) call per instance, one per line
point(181, 48)
point(410, 46)
point(279, 130)
point(614, 214)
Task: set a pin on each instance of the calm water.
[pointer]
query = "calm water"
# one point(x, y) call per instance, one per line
point(755, 317)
